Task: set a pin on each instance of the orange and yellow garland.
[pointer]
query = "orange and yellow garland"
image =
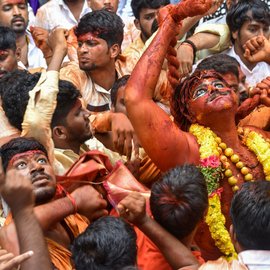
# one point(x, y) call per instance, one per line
point(211, 167)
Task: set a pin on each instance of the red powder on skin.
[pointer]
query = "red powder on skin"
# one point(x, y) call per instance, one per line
point(28, 154)
point(16, 2)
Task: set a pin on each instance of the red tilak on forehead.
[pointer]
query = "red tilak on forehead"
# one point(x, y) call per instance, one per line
point(88, 36)
point(14, 2)
point(29, 154)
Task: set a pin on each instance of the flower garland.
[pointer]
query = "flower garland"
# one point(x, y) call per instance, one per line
point(211, 168)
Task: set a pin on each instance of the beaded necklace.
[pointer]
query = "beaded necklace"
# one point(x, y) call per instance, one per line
point(214, 155)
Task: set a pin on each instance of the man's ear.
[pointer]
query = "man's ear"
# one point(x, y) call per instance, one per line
point(18, 54)
point(234, 240)
point(137, 24)
point(59, 133)
point(235, 34)
point(115, 50)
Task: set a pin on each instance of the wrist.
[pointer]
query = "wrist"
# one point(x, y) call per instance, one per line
point(143, 223)
point(22, 211)
point(191, 45)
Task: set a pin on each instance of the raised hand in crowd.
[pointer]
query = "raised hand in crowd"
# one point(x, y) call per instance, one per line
point(17, 191)
point(257, 49)
point(40, 36)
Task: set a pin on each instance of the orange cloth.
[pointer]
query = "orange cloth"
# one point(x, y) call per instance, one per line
point(149, 256)
point(60, 256)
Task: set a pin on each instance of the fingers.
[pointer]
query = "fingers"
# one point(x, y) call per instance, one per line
point(100, 213)
point(16, 261)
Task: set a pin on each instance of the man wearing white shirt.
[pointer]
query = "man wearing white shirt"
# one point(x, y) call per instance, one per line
point(64, 13)
point(14, 14)
point(246, 20)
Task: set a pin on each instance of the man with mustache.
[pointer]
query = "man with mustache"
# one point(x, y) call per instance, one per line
point(61, 218)
point(14, 14)
point(203, 132)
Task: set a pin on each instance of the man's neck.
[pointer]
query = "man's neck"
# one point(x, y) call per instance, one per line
point(104, 77)
point(73, 146)
point(75, 6)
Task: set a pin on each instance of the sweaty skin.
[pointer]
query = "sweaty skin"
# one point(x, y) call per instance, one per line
point(165, 143)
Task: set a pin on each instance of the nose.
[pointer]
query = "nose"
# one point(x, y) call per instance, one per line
point(86, 114)
point(16, 10)
point(83, 48)
point(35, 166)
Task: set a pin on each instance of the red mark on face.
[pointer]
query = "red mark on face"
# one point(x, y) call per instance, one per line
point(16, 2)
point(88, 36)
point(28, 154)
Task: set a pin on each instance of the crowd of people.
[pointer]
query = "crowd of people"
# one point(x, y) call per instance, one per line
point(135, 135)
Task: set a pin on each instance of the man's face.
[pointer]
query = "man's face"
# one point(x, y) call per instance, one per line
point(249, 30)
point(14, 14)
point(35, 165)
point(8, 61)
point(78, 124)
point(145, 21)
point(110, 5)
point(93, 52)
point(211, 95)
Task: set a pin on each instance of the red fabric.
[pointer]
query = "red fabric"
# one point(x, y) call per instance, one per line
point(95, 167)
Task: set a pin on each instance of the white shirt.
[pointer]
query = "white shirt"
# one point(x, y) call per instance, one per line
point(255, 259)
point(56, 13)
point(35, 55)
point(254, 76)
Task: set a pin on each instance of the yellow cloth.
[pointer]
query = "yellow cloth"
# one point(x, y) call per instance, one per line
point(60, 256)
point(133, 53)
point(222, 30)
point(39, 111)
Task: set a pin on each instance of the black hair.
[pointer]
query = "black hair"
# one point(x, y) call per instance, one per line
point(238, 14)
point(221, 63)
point(109, 243)
point(119, 83)
point(250, 213)
point(7, 39)
point(17, 146)
point(138, 5)
point(14, 90)
point(179, 200)
point(66, 99)
point(107, 25)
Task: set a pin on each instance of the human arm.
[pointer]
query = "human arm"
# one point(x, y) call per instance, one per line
point(88, 203)
point(42, 101)
point(177, 255)
point(158, 135)
point(40, 36)
point(115, 131)
point(17, 191)
point(257, 49)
